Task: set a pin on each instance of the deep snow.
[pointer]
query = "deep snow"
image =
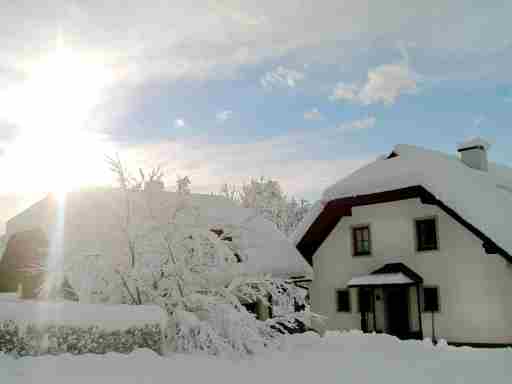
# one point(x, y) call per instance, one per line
point(338, 357)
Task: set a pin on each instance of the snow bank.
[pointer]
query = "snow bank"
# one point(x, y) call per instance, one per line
point(36, 328)
point(337, 358)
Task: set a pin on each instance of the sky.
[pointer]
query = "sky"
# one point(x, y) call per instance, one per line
point(303, 92)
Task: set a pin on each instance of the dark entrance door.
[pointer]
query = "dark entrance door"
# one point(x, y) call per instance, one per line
point(397, 311)
point(366, 308)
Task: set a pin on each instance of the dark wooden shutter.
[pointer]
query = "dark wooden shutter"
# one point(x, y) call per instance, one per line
point(430, 299)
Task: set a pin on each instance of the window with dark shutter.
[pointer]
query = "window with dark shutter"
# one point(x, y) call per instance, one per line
point(426, 234)
point(361, 240)
point(430, 299)
point(343, 300)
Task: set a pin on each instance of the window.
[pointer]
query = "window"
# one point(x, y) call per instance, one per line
point(361, 241)
point(426, 234)
point(430, 299)
point(343, 300)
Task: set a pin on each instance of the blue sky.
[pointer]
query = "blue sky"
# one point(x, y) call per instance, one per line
point(303, 92)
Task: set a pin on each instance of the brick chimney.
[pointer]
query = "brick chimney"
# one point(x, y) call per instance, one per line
point(473, 153)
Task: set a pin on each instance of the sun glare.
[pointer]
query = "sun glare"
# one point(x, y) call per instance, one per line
point(56, 150)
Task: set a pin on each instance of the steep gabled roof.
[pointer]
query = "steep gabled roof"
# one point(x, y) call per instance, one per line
point(92, 225)
point(480, 200)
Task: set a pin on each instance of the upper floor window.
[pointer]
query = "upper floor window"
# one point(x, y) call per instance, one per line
point(426, 234)
point(361, 239)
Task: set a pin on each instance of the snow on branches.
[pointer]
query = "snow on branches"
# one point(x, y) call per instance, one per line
point(268, 199)
point(176, 259)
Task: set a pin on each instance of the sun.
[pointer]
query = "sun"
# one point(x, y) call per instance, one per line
point(56, 149)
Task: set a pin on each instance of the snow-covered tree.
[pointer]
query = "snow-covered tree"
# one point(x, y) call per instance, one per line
point(178, 261)
point(267, 198)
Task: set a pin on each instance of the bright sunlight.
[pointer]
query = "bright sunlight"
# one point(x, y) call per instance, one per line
point(55, 151)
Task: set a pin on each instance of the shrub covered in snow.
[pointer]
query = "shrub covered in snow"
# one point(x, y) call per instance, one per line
point(32, 328)
point(34, 340)
point(223, 330)
point(185, 266)
point(267, 198)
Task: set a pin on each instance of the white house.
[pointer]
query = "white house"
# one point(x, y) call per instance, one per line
point(416, 244)
point(92, 221)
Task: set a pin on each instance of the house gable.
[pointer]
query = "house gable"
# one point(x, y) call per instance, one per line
point(336, 209)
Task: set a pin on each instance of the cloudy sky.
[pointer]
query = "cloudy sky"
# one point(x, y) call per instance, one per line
point(300, 91)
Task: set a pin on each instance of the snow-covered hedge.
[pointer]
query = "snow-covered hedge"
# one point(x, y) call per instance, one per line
point(36, 328)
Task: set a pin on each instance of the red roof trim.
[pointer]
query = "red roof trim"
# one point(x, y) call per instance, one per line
point(336, 209)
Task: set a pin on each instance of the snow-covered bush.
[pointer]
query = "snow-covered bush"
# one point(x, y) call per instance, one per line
point(267, 197)
point(223, 330)
point(183, 263)
point(32, 328)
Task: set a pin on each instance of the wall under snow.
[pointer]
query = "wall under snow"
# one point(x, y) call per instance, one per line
point(475, 287)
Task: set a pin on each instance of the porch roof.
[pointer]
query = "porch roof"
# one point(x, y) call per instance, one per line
point(380, 279)
point(389, 274)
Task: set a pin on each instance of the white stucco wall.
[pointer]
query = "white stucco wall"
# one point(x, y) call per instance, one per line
point(475, 288)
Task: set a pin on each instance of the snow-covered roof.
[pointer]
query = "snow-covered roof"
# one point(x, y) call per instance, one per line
point(482, 198)
point(92, 226)
point(380, 279)
point(474, 142)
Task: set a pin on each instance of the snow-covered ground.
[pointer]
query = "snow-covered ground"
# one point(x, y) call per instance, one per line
point(337, 358)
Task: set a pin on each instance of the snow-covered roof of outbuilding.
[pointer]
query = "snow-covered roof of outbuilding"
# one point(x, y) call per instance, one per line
point(481, 198)
point(92, 225)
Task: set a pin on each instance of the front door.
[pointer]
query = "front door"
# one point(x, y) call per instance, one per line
point(366, 308)
point(397, 311)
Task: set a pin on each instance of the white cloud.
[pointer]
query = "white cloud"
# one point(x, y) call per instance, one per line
point(223, 115)
point(344, 91)
point(179, 123)
point(384, 85)
point(281, 77)
point(313, 114)
point(357, 125)
point(209, 38)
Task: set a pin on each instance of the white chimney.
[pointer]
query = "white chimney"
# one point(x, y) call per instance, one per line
point(473, 153)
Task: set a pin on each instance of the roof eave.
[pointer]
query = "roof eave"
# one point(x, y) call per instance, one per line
point(336, 209)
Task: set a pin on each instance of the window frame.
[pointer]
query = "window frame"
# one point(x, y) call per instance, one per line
point(436, 287)
point(417, 237)
point(349, 308)
point(353, 230)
